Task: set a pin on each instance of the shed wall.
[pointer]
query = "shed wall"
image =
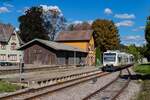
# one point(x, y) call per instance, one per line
point(39, 55)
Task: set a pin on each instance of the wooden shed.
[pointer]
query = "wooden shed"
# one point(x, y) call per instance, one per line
point(45, 52)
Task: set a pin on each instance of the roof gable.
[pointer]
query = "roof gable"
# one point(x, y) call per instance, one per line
point(6, 31)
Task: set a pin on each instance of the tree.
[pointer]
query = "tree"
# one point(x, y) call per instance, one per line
point(132, 49)
point(54, 21)
point(98, 60)
point(79, 26)
point(105, 34)
point(42, 22)
point(31, 25)
point(123, 48)
point(147, 37)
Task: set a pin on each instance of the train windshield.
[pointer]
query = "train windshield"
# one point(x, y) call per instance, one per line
point(109, 57)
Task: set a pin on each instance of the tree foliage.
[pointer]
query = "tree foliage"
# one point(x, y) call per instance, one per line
point(54, 21)
point(123, 48)
point(147, 37)
point(79, 26)
point(132, 49)
point(42, 22)
point(105, 34)
point(31, 25)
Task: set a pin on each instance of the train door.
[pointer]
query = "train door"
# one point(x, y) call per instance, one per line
point(119, 59)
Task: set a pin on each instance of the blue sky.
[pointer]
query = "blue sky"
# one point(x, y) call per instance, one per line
point(128, 15)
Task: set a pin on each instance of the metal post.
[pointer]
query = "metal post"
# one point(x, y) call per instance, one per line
point(75, 58)
point(21, 65)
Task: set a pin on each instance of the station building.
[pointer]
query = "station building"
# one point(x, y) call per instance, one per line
point(9, 42)
point(45, 52)
point(82, 39)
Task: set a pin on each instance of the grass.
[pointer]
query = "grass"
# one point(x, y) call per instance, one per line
point(8, 87)
point(145, 92)
point(143, 68)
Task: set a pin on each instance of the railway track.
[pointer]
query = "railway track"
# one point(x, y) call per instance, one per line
point(37, 92)
point(110, 91)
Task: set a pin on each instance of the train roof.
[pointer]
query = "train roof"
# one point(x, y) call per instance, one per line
point(119, 52)
point(112, 51)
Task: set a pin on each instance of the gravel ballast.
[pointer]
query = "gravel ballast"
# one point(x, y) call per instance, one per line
point(79, 91)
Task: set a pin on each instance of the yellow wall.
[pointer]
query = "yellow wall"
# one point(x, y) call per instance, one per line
point(81, 45)
point(87, 46)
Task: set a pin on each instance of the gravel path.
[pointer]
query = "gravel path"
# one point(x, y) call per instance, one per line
point(79, 91)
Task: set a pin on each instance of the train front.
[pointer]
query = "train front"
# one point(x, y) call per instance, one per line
point(109, 61)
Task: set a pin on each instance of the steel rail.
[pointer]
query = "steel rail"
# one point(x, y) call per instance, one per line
point(7, 97)
point(70, 85)
point(99, 90)
point(123, 88)
point(107, 85)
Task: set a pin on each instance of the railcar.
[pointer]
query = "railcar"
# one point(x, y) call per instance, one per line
point(112, 60)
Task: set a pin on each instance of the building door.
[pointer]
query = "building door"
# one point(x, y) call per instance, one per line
point(37, 56)
point(50, 59)
point(66, 61)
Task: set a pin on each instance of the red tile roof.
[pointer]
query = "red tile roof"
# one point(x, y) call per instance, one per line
point(81, 35)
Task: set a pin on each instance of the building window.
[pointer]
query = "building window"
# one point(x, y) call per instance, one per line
point(13, 37)
point(2, 57)
point(13, 46)
point(3, 46)
point(12, 57)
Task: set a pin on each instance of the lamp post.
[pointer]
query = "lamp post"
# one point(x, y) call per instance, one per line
point(21, 65)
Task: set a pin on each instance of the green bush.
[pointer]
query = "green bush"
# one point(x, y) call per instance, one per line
point(143, 68)
point(8, 87)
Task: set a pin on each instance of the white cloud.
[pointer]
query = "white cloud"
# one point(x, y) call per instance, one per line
point(90, 21)
point(47, 8)
point(125, 16)
point(138, 28)
point(126, 23)
point(108, 11)
point(23, 10)
point(16, 29)
point(8, 5)
point(4, 10)
point(77, 22)
point(80, 22)
point(133, 39)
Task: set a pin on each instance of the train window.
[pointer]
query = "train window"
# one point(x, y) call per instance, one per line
point(110, 57)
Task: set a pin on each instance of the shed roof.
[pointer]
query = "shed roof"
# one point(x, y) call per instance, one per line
point(54, 45)
point(77, 35)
